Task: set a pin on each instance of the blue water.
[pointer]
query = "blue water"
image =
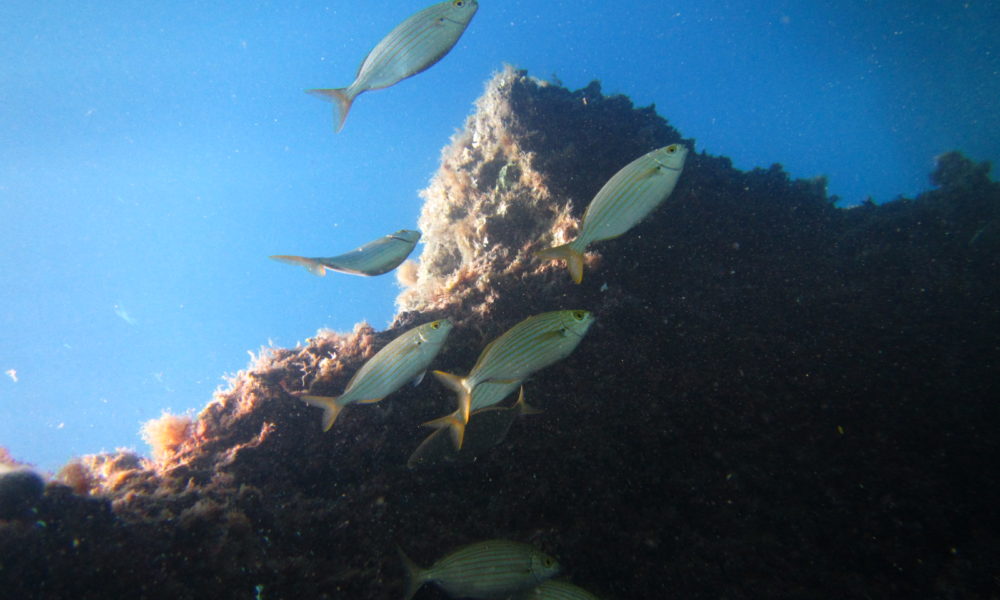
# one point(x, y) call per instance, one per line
point(152, 155)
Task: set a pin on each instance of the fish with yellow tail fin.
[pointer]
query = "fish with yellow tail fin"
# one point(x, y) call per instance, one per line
point(412, 47)
point(401, 360)
point(556, 590)
point(487, 427)
point(374, 258)
point(529, 346)
point(490, 569)
point(625, 200)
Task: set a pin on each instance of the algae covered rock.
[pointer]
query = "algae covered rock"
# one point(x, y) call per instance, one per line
point(779, 398)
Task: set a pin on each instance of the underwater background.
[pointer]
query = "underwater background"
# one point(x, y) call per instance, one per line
point(788, 391)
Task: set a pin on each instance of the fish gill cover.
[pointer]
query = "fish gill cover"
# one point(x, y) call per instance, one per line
point(780, 398)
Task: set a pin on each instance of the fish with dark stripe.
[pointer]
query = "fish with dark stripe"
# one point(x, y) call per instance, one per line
point(412, 47)
point(490, 569)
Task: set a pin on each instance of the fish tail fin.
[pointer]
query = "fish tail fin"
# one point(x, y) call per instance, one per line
point(523, 408)
point(311, 264)
point(414, 574)
point(455, 425)
point(461, 387)
point(331, 408)
point(572, 256)
point(342, 100)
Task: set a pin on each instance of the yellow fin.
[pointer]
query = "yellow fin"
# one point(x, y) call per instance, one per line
point(454, 423)
point(457, 384)
point(331, 408)
point(523, 408)
point(573, 258)
point(341, 103)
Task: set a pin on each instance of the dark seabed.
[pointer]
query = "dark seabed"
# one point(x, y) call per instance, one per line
point(780, 399)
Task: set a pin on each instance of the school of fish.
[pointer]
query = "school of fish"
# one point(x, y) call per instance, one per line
point(495, 568)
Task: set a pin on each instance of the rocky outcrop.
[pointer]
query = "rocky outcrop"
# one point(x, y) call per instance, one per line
point(780, 398)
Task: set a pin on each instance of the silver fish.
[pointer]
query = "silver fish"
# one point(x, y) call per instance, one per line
point(557, 590)
point(631, 194)
point(487, 394)
point(487, 427)
point(401, 360)
point(412, 47)
point(490, 569)
point(374, 258)
point(529, 346)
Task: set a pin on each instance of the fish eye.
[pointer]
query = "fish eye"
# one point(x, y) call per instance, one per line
point(672, 148)
point(436, 325)
point(548, 562)
point(459, 3)
point(579, 315)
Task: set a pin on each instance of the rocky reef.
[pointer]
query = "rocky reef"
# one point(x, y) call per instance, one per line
point(780, 399)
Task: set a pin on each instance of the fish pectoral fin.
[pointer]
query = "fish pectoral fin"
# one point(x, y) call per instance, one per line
point(549, 336)
point(419, 378)
point(370, 401)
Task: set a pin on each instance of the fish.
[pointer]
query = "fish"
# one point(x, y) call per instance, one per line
point(489, 393)
point(525, 348)
point(556, 590)
point(625, 200)
point(414, 46)
point(374, 258)
point(403, 359)
point(487, 427)
point(490, 569)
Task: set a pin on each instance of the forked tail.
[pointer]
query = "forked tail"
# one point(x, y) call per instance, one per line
point(341, 103)
point(572, 256)
point(331, 408)
point(311, 264)
point(414, 574)
point(455, 421)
